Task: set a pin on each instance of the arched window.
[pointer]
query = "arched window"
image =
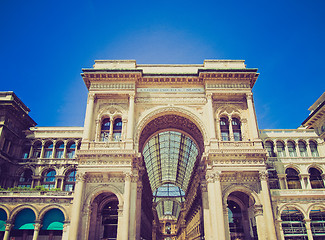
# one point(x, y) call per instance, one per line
point(292, 149)
point(23, 227)
point(104, 134)
point(293, 179)
point(71, 149)
point(110, 218)
point(69, 181)
point(293, 224)
point(49, 179)
point(117, 129)
point(316, 180)
point(270, 148)
point(48, 150)
point(280, 149)
point(317, 217)
point(224, 128)
point(313, 149)
point(236, 129)
point(302, 149)
point(37, 148)
point(59, 150)
point(25, 179)
point(52, 225)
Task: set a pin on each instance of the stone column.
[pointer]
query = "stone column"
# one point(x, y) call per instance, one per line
point(126, 207)
point(282, 181)
point(110, 134)
point(304, 181)
point(206, 210)
point(31, 152)
point(53, 149)
point(76, 207)
point(212, 207)
point(231, 131)
point(210, 116)
point(130, 125)
point(260, 226)
point(218, 129)
point(279, 224)
point(267, 208)
point(252, 119)
point(42, 150)
point(120, 224)
point(37, 228)
point(220, 211)
point(65, 149)
point(8, 227)
point(89, 116)
point(308, 229)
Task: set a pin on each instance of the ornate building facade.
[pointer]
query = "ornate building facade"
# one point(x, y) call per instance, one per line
point(166, 152)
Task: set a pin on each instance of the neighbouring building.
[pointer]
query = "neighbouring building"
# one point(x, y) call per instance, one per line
point(166, 152)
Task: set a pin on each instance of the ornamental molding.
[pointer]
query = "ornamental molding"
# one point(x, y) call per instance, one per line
point(112, 86)
point(108, 162)
point(185, 100)
point(223, 85)
point(36, 200)
point(170, 80)
point(185, 112)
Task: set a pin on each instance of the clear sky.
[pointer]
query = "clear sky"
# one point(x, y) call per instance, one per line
point(45, 44)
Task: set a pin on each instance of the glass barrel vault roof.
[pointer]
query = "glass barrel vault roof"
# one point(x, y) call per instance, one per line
point(169, 157)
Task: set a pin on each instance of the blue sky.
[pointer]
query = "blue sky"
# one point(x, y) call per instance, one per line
point(45, 44)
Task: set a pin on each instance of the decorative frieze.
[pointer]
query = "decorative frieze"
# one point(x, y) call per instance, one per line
point(184, 100)
point(110, 86)
point(223, 85)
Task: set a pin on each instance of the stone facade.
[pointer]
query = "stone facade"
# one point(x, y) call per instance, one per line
point(166, 152)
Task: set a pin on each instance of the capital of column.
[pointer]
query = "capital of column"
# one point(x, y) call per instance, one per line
point(209, 96)
point(128, 176)
point(8, 226)
point(249, 96)
point(282, 175)
point(81, 176)
point(132, 95)
point(91, 96)
point(263, 175)
point(258, 210)
point(303, 175)
point(37, 225)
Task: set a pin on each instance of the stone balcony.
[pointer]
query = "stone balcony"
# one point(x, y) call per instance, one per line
point(298, 193)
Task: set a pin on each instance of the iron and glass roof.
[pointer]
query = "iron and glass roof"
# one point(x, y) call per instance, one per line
point(169, 157)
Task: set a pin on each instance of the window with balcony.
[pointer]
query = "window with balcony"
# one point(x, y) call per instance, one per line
point(302, 149)
point(25, 179)
point(313, 149)
point(37, 148)
point(280, 149)
point(105, 128)
point(236, 128)
point(69, 181)
point(316, 180)
point(270, 148)
point(224, 128)
point(293, 179)
point(48, 150)
point(71, 149)
point(59, 149)
point(49, 179)
point(117, 129)
point(292, 149)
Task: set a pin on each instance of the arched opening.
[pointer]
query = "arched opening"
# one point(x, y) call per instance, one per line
point(105, 128)
point(241, 218)
point(71, 149)
point(104, 217)
point(317, 224)
point(293, 179)
point(171, 146)
point(70, 180)
point(293, 225)
point(3, 219)
point(23, 228)
point(236, 128)
point(48, 179)
point(270, 148)
point(224, 128)
point(302, 149)
point(37, 148)
point(52, 225)
point(280, 149)
point(48, 150)
point(117, 129)
point(292, 149)
point(316, 180)
point(313, 149)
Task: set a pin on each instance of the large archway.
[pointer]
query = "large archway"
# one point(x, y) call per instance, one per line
point(171, 146)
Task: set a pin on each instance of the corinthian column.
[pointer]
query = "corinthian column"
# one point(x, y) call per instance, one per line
point(130, 124)
point(37, 228)
point(267, 208)
point(89, 116)
point(76, 207)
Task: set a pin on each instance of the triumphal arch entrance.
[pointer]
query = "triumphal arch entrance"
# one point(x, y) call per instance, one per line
point(171, 152)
